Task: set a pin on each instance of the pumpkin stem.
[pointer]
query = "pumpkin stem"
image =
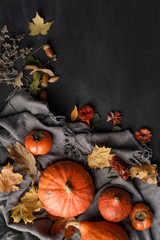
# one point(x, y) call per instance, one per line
point(76, 224)
point(116, 198)
point(140, 216)
point(68, 187)
point(37, 136)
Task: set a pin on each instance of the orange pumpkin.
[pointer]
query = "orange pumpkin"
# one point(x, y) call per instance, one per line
point(115, 204)
point(66, 189)
point(99, 230)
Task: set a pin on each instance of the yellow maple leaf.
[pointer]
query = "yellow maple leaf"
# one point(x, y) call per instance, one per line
point(23, 158)
point(74, 114)
point(9, 179)
point(145, 172)
point(38, 26)
point(100, 157)
point(29, 204)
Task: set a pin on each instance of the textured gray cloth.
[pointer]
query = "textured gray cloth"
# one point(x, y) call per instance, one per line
point(73, 141)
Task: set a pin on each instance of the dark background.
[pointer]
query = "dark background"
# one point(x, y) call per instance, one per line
point(108, 56)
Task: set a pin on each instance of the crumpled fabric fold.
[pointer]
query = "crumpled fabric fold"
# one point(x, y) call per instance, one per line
point(73, 141)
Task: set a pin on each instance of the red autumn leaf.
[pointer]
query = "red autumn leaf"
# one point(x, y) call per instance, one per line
point(143, 135)
point(114, 117)
point(60, 224)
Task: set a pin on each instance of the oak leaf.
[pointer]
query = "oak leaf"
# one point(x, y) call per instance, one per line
point(100, 157)
point(74, 114)
point(60, 224)
point(9, 179)
point(38, 26)
point(29, 204)
point(145, 172)
point(23, 158)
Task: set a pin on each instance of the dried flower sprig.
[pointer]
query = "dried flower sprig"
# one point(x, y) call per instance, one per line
point(9, 53)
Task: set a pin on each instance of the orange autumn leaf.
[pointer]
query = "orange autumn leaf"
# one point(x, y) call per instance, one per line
point(60, 224)
point(74, 114)
point(87, 122)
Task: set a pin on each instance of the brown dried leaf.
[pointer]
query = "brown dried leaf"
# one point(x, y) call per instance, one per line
point(18, 81)
point(23, 158)
point(9, 179)
point(34, 69)
point(100, 157)
point(53, 79)
point(29, 204)
point(74, 114)
point(60, 224)
point(145, 172)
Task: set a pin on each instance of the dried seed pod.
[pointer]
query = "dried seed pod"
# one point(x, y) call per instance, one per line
point(45, 80)
point(48, 50)
point(43, 95)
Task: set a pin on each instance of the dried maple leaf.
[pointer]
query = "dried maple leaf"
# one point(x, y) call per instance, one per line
point(9, 179)
point(23, 158)
point(29, 204)
point(145, 172)
point(18, 81)
point(60, 224)
point(74, 114)
point(100, 157)
point(38, 26)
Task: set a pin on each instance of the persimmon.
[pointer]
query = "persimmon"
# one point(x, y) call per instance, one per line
point(141, 217)
point(38, 142)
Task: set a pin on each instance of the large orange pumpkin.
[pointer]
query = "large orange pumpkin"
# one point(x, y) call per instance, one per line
point(66, 189)
point(99, 230)
point(115, 204)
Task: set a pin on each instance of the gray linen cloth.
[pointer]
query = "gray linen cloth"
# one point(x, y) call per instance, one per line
point(73, 141)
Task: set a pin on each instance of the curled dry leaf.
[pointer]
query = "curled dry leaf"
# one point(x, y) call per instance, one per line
point(23, 158)
point(34, 69)
point(18, 81)
point(53, 79)
point(38, 26)
point(9, 179)
point(74, 114)
point(145, 172)
point(100, 157)
point(60, 224)
point(29, 204)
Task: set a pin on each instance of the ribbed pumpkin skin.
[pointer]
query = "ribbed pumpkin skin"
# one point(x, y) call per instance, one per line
point(52, 191)
point(112, 210)
point(102, 231)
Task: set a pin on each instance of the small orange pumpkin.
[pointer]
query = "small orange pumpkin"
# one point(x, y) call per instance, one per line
point(66, 189)
point(115, 204)
point(99, 230)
